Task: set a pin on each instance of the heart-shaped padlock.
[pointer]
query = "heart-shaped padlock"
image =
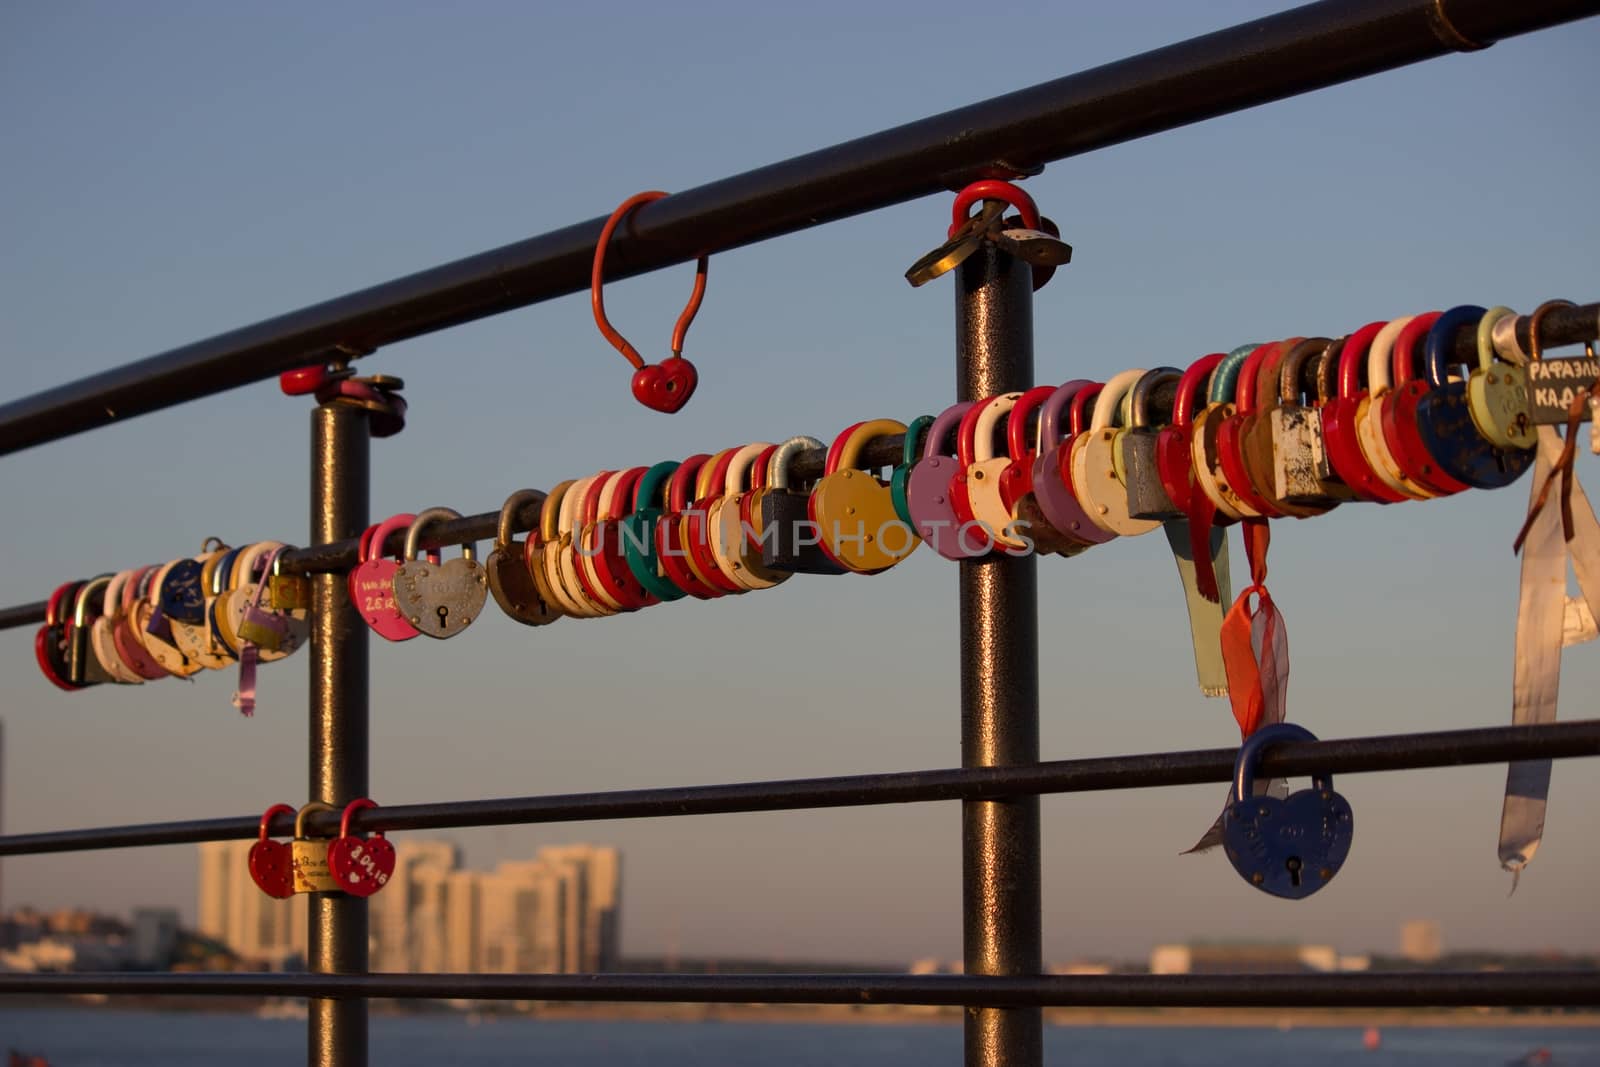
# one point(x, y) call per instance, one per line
point(439, 599)
point(361, 865)
point(1291, 846)
point(372, 582)
point(1444, 414)
point(271, 865)
point(665, 386)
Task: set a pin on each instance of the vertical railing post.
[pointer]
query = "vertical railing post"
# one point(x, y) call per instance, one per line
point(999, 687)
point(340, 476)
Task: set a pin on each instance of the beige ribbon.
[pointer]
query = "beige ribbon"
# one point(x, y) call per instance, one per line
point(1547, 621)
point(1205, 615)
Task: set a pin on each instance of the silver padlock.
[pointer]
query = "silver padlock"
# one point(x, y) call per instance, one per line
point(439, 599)
point(1141, 476)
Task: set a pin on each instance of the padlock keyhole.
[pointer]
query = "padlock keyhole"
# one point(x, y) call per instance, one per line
point(444, 615)
point(1293, 864)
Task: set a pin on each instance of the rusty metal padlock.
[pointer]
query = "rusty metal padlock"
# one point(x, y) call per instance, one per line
point(439, 599)
point(309, 855)
point(1299, 457)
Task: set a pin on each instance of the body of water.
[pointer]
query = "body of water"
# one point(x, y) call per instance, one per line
point(103, 1037)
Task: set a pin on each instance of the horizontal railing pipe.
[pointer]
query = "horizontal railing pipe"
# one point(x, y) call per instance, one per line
point(1294, 990)
point(1448, 748)
point(1295, 51)
point(1578, 324)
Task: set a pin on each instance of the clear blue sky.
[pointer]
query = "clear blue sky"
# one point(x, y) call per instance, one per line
point(175, 170)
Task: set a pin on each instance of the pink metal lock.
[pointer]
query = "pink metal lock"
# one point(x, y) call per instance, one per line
point(1056, 502)
point(928, 490)
point(372, 583)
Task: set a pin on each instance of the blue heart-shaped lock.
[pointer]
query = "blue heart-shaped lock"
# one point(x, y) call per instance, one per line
point(1289, 847)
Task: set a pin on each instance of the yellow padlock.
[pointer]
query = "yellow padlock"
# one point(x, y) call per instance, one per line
point(854, 511)
point(309, 855)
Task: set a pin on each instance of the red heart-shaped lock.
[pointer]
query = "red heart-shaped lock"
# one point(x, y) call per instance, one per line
point(665, 386)
point(270, 863)
point(361, 866)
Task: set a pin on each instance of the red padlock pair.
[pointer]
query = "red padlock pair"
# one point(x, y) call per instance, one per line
point(362, 866)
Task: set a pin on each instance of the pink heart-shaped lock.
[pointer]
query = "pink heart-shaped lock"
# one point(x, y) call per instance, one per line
point(665, 386)
point(372, 582)
point(270, 862)
point(361, 866)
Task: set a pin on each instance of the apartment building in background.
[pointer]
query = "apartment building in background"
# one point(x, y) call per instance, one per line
point(557, 912)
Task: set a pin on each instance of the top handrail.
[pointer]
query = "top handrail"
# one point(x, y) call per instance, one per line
point(1281, 55)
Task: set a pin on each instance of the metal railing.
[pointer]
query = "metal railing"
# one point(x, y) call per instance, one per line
point(1001, 777)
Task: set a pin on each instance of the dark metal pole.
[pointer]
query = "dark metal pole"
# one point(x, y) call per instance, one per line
point(1271, 58)
point(999, 688)
point(341, 461)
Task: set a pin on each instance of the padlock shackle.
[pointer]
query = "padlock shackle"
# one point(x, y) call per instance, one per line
point(213, 575)
point(300, 816)
point(1439, 356)
point(831, 463)
point(572, 507)
point(778, 466)
point(424, 517)
point(1254, 746)
point(680, 486)
point(993, 189)
point(762, 469)
point(80, 602)
point(1353, 360)
point(508, 514)
point(712, 475)
point(1143, 390)
point(650, 493)
point(1486, 325)
point(983, 426)
point(617, 500)
point(270, 814)
point(967, 431)
point(1021, 416)
point(860, 435)
point(1327, 372)
point(1085, 401)
point(1403, 359)
point(1226, 377)
point(1248, 375)
point(741, 467)
point(1194, 380)
point(1054, 406)
point(349, 810)
point(1378, 374)
point(588, 508)
point(550, 512)
point(111, 603)
point(388, 526)
point(1291, 387)
point(1116, 387)
point(916, 436)
point(947, 423)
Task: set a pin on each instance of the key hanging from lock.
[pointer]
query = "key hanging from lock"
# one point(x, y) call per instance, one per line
point(438, 599)
point(1033, 239)
point(1288, 846)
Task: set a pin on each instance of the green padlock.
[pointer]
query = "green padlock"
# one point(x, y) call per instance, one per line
point(898, 480)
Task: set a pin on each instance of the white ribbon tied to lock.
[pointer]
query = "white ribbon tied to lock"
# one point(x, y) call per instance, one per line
point(1548, 620)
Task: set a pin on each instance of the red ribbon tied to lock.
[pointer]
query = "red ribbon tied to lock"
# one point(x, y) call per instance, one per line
point(1255, 643)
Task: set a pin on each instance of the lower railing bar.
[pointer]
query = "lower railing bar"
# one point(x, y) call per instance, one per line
point(1298, 990)
point(1393, 752)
